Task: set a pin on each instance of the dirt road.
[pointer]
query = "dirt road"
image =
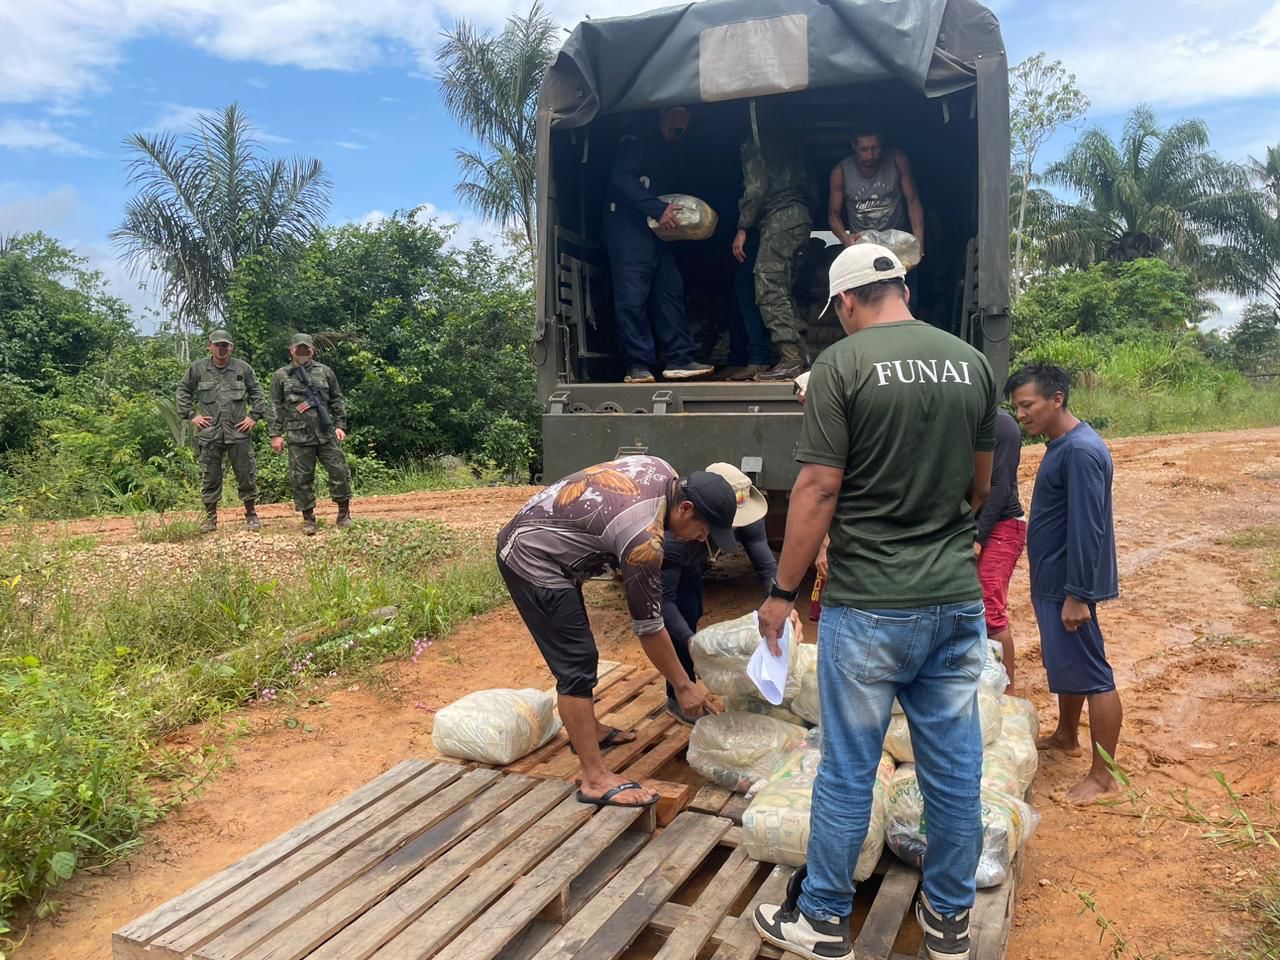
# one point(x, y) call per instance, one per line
point(1195, 655)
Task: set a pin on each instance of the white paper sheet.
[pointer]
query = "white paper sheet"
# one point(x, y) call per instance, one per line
point(767, 672)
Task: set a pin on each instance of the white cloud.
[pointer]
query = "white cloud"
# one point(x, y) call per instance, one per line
point(181, 118)
point(1167, 52)
point(466, 227)
point(256, 83)
point(48, 212)
point(64, 49)
point(349, 145)
point(18, 134)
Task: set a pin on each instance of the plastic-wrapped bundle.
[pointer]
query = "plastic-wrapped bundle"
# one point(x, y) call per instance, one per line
point(805, 703)
point(1009, 764)
point(720, 654)
point(993, 677)
point(903, 244)
point(897, 739)
point(1007, 824)
point(495, 726)
point(775, 827)
point(1021, 714)
point(734, 750)
point(756, 705)
point(696, 219)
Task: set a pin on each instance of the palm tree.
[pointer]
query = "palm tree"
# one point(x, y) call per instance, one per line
point(490, 86)
point(204, 202)
point(1157, 193)
point(1261, 244)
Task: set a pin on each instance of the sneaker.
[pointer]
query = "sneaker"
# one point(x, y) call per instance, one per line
point(785, 370)
point(945, 938)
point(687, 371)
point(788, 927)
point(638, 375)
point(749, 372)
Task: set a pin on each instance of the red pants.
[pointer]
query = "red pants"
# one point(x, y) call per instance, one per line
point(995, 569)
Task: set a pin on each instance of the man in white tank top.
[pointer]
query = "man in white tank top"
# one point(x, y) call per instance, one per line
point(873, 189)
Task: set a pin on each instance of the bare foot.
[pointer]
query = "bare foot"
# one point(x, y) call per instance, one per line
point(626, 798)
point(1054, 742)
point(1091, 789)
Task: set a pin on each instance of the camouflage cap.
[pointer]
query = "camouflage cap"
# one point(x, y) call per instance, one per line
point(302, 340)
point(220, 336)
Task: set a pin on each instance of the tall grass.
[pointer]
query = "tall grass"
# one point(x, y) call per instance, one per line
point(1155, 386)
point(92, 679)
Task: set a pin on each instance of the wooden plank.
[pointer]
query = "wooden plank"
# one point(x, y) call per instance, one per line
point(710, 799)
point(690, 934)
point(160, 920)
point(673, 797)
point(992, 916)
point(505, 920)
point(558, 747)
point(204, 926)
point(735, 808)
point(616, 916)
point(566, 764)
point(595, 877)
point(672, 745)
point(879, 931)
point(467, 901)
point(743, 942)
point(355, 914)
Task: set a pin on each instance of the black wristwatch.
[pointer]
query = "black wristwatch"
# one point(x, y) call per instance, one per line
point(779, 593)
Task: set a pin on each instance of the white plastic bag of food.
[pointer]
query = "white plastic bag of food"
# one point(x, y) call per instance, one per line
point(720, 654)
point(1021, 714)
point(897, 739)
point(806, 703)
point(1007, 824)
point(993, 677)
point(1009, 765)
point(735, 750)
point(495, 726)
point(802, 670)
point(775, 827)
point(756, 705)
point(696, 219)
point(903, 244)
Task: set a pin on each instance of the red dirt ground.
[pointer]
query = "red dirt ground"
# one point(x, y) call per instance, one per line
point(1195, 656)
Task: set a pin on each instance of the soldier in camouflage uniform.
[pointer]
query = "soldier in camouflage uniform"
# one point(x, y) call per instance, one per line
point(222, 398)
point(308, 409)
point(775, 199)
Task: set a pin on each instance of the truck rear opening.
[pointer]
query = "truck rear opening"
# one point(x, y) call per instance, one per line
point(949, 116)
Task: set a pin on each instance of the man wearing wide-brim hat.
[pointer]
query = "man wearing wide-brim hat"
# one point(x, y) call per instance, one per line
point(222, 398)
point(684, 564)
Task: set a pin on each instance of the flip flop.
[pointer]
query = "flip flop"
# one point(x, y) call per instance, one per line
point(606, 799)
point(611, 739)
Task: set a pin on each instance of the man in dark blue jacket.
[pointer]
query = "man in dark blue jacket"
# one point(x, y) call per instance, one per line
point(648, 292)
point(1071, 544)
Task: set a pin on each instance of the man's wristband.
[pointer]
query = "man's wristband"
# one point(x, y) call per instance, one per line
point(777, 592)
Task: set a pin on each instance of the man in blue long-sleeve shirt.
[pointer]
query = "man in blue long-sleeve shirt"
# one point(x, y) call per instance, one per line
point(1071, 544)
point(648, 292)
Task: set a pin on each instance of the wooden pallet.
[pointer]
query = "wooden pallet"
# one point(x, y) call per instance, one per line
point(437, 860)
point(629, 698)
point(885, 926)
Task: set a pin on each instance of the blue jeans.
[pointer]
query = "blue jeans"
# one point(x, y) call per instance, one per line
point(929, 658)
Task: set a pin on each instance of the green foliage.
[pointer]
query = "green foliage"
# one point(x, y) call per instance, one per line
point(92, 680)
point(1255, 340)
point(157, 528)
point(506, 445)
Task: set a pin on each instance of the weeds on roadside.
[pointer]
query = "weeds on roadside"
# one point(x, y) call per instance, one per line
point(91, 681)
point(1263, 906)
point(1118, 947)
point(157, 528)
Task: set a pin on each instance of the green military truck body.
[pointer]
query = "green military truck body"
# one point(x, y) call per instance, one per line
point(931, 74)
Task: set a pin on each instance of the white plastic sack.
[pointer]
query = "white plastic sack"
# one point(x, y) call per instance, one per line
point(993, 678)
point(735, 750)
point(1022, 715)
point(1009, 765)
point(897, 739)
point(806, 703)
point(903, 244)
point(1007, 824)
point(495, 726)
point(720, 654)
point(775, 827)
point(756, 705)
point(696, 219)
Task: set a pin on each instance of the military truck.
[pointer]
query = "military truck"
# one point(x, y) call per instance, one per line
point(931, 75)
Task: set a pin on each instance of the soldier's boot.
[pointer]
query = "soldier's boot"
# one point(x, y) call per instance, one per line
point(344, 513)
point(210, 520)
point(308, 523)
point(791, 364)
point(251, 516)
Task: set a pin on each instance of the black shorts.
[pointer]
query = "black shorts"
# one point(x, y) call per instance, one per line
point(557, 619)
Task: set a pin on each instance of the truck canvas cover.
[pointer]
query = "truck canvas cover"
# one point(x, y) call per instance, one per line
point(729, 49)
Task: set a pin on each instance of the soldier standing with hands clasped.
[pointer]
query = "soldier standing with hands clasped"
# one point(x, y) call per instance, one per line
point(308, 409)
point(227, 402)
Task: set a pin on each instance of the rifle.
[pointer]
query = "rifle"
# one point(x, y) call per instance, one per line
point(313, 396)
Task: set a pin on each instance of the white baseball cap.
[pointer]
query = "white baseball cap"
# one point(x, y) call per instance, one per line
point(861, 264)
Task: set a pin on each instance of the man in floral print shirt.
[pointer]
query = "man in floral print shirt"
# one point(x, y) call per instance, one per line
point(614, 513)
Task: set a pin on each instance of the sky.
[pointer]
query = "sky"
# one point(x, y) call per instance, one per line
point(351, 83)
